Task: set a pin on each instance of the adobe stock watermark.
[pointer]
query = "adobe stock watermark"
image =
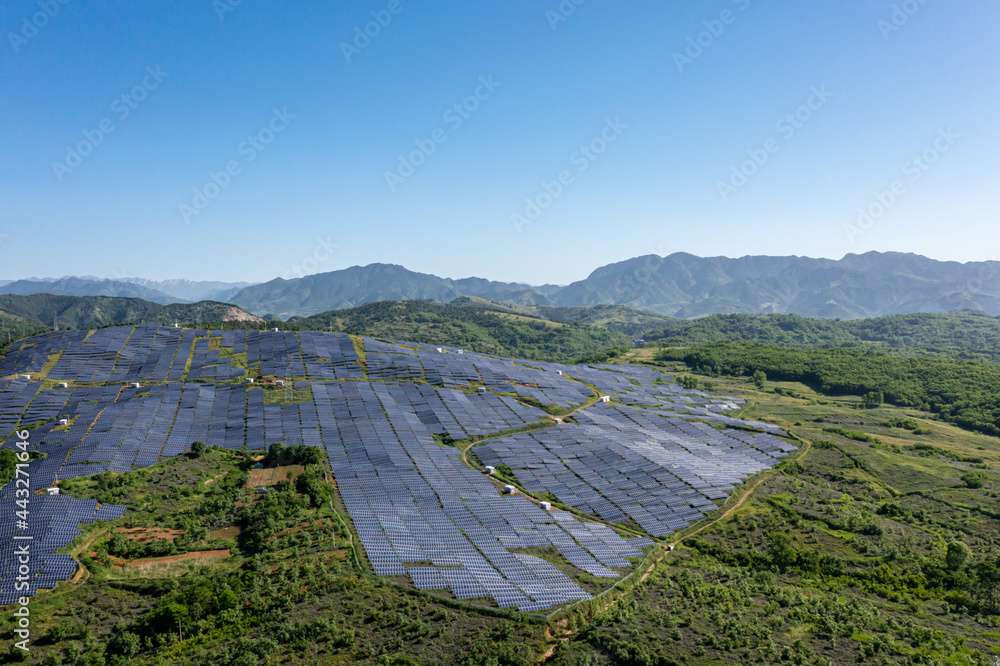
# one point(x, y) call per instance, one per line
point(325, 248)
point(122, 107)
point(714, 28)
point(901, 14)
point(363, 35)
point(912, 171)
point(562, 13)
point(454, 116)
point(582, 158)
point(35, 23)
point(786, 127)
point(223, 7)
point(247, 152)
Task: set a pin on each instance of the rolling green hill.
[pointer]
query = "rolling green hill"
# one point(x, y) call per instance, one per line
point(960, 392)
point(476, 327)
point(964, 335)
point(617, 318)
point(40, 311)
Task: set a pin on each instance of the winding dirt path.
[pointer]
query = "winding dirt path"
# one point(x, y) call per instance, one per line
point(746, 493)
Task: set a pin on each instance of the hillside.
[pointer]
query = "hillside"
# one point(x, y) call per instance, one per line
point(963, 335)
point(960, 392)
point(481, 327)
point(40, 311)
point(358, 285)
point(617, 318)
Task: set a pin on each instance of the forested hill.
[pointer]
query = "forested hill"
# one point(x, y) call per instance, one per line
point(40, 311)
point(490, 331)
point(960, 392)
point(963, 335)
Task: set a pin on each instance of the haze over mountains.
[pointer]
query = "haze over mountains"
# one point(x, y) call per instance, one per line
point(680, 285)
point(163, 292)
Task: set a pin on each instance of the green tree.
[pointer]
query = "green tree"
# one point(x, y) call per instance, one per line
point(782, 552)
point(8, 460)
point(760, 379)
point(973, 479)
point(958, 554)
point(198, 449)
point(128, 644)
point(873, 399)
point(688, 382)
point(987, 577)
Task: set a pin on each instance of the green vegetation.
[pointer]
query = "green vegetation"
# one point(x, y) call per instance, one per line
point(760, 379)
point(8, 462)
point(298, 454)
point(29, 315)
point(617, 318)
point(965, 335)
point(477, 328)
point(960, 392)
point(851, 553)
point(288, 592)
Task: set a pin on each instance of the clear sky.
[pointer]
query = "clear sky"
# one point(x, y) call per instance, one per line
point(115, 115)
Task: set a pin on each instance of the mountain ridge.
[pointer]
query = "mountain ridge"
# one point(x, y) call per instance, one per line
point(680, 285)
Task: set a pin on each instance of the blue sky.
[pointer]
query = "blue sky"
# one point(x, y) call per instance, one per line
point(653, 134)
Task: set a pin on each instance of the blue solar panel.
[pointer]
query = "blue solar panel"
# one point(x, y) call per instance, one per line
point(649, 457)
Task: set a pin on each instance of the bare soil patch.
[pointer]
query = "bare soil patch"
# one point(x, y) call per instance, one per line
point(149, 534)
point(197, 555)
point(260, 478)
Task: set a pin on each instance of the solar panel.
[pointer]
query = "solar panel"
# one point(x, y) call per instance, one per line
point(650, 457)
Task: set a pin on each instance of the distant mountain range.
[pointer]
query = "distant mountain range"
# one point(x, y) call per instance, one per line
point(192, 290)
point(867, 285)
point(163, 292)
point(680, 285)
point(42, 311)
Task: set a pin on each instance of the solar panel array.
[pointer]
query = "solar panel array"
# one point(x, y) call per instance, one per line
point(54, 522)
point(651, 457)
point(626, 464)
